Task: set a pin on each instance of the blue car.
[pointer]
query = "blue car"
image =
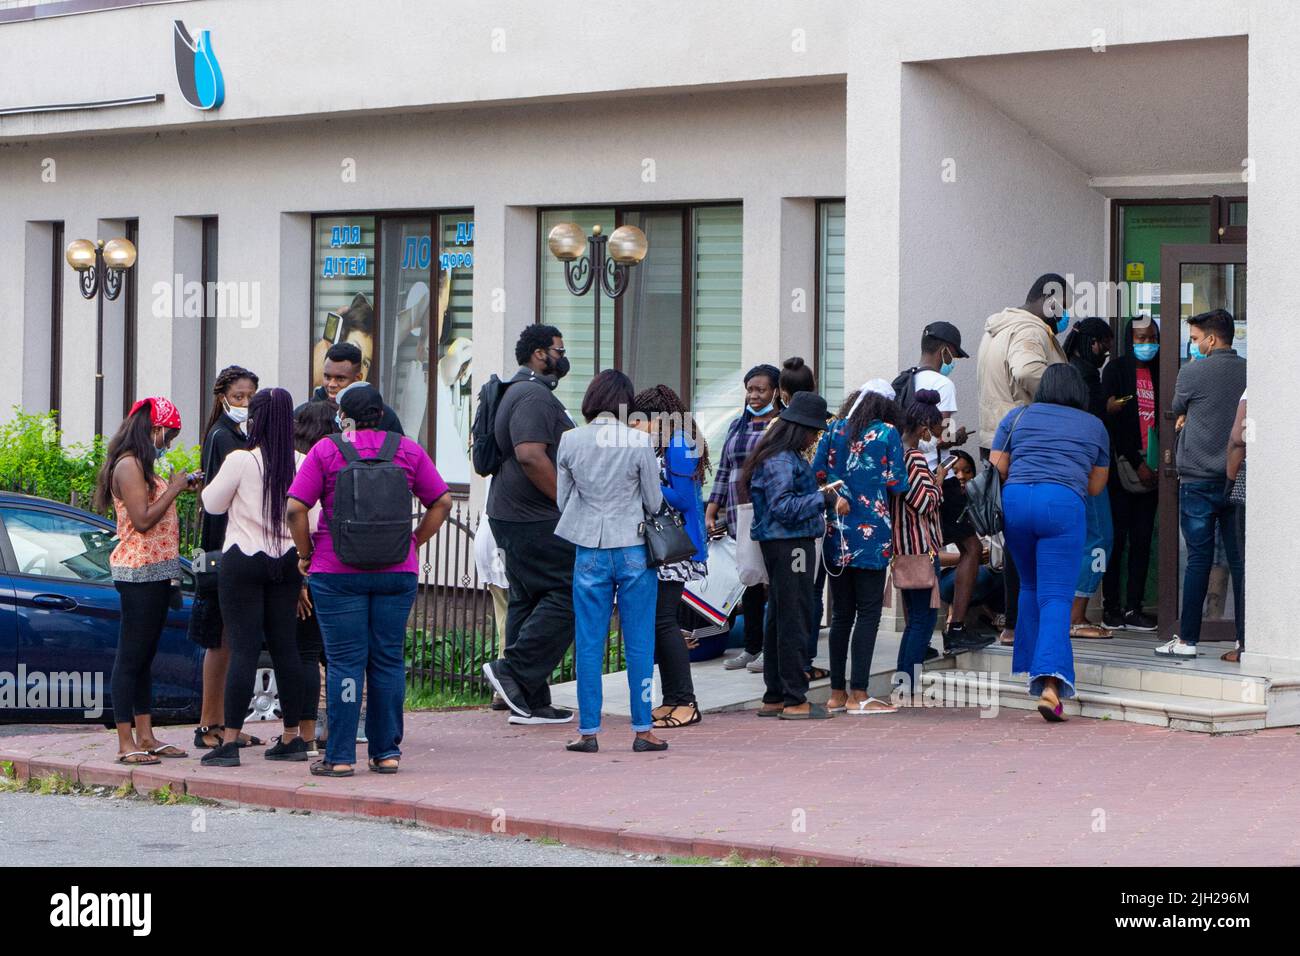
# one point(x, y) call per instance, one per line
point(59, 614)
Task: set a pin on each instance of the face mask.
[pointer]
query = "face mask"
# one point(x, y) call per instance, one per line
point(1146, 351)
point(1196, 354)
point(338, 421)
point(1063, 322)
point(946, 368)
point(562, 367)
point(765, 410)
point(160, 453)
point(237, 414)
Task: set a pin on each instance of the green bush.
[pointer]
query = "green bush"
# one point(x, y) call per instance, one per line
point(35, 460)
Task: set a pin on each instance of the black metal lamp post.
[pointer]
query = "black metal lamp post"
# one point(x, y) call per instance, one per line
point(605, 265)
point(100, 268)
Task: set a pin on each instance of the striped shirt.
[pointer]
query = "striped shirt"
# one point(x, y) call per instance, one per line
point(742, 436)
point(917, 526)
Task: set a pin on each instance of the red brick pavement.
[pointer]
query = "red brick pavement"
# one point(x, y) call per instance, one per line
point(924, 786)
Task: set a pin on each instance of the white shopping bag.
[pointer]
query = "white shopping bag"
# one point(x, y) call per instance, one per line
point(714, 596)
point(749, 556)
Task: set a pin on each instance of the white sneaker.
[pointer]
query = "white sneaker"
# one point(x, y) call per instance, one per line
point(739, 661)
point(756, 665)
point(1176, 648)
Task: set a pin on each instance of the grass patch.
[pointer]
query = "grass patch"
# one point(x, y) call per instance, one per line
point(547, 841)
point(691, 861)
point(9, 777)
point(52, 783)
point(167, 797)
point(428, 698)
point(125, 789)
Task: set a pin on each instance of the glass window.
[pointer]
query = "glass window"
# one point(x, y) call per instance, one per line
point(717, 394)
point(574, 315)
point(406, 273)
point(343, 289)
point(455, 333)
point(56, 546)
point(651, 340)
point(830, 302)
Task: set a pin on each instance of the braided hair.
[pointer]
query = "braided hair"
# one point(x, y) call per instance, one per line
point(663, 401)
point(227, 377)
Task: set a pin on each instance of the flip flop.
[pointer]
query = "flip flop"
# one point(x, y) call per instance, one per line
point(162, 751)
point(1101, 633)
point(862, 710)
point(837, 710)
point(1232, 657)
point(376, 766)
point(125, 758)
point(251, 742)
point(815, 712)
point(774, 712)
point(323, 768)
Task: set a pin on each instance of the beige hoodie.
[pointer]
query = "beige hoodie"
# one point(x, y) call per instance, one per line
point(1017, 346)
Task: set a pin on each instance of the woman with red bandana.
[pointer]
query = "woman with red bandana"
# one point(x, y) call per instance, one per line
point(144, 564)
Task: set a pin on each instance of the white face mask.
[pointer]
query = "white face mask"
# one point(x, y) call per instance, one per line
point(236, 413)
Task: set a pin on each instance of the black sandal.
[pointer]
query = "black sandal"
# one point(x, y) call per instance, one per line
point(201, 732)
point(668, 721)
point(323, 768)
point(376, 766)
point(818, 673)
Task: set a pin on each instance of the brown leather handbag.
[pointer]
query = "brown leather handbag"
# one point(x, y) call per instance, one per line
point(915, 572)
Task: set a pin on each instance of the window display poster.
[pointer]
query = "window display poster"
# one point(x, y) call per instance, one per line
point(343, 284)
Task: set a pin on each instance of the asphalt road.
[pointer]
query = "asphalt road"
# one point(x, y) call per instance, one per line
point(50, 830)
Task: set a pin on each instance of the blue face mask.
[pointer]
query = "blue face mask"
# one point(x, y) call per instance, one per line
point(946, 368)
point(1063, 322)
point(765, 410)
point(1195, 353)
point(1146, 351)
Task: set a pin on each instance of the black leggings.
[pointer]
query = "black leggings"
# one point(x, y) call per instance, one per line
point(857, 595)
point(309, 652)
point(753, 605)
point(259, 602)
point(671, 653)
point(144, 614)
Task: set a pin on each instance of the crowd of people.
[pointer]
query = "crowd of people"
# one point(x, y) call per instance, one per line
point(309, 550)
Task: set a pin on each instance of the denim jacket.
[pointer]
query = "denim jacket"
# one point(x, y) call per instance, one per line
point(786, 501)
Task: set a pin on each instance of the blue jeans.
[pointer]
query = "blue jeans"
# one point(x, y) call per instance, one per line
point(363, 622)
point(1099, 540)
point(919, 630)
point(598, 573)
point(1203, 507)
point(1045, 525)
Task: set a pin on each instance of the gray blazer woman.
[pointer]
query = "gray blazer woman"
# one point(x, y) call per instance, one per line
point(607, 477)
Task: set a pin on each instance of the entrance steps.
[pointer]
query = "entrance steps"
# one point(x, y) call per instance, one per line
point(1122, 679)
point(1117, 679)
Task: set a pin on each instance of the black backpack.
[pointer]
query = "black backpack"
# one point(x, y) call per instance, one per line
point(371, 524)
point(904, 390)
point(984, 494)
point(485, 453)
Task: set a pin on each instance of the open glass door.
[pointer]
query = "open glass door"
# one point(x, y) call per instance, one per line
point(1193, 279)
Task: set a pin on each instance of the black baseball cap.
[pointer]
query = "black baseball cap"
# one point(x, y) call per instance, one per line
point(946, 332)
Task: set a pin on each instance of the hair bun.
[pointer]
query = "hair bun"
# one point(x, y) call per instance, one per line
point(926, 396)
point(793, 363)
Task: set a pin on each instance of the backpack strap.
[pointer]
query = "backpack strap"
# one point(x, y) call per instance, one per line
point(346, 448)
point(388, 450)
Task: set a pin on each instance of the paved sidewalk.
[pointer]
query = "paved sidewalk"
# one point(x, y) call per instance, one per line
point(924, 786)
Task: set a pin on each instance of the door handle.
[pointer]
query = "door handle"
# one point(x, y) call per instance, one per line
point(59, 601)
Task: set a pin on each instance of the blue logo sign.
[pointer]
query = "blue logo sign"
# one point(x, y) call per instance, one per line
point(197, 70)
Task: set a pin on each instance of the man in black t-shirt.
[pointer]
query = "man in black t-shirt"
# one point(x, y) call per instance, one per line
point(522, 511)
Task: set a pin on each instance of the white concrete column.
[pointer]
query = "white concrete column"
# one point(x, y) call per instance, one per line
point(505, 294)
point(288, 312)
point(1274, 238)
point(761, 288)
point(114, 337)
point(797, 305)
point(871, 224)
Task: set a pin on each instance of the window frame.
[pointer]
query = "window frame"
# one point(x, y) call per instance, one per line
point(56, 321)
point(686, 345)
point(818, 317)
point(436, 219)
point(131, 323)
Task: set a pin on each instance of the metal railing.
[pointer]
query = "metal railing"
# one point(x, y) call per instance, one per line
point(452, 632)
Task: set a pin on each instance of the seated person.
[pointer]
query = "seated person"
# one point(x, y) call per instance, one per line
point(988, 582)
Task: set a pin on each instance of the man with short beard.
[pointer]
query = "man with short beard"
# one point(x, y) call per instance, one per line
point(523, 514)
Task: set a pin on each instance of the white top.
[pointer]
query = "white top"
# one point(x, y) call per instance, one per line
point(928, 378)
point(236, 492)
